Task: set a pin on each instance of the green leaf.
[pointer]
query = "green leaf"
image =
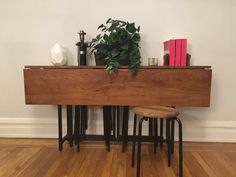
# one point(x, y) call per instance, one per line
point(115, 53)
point(104, 29)
point(113, 26)
point(131, 27)
point(136, 37)
point(98, 37)
point(100, 26)
point(94, 40)
point(125, 46)
point(124, 54)
point(109, 19)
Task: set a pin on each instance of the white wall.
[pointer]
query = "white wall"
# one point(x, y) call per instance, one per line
point(29, 28)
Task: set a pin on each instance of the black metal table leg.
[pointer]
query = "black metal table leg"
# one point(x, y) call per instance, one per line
point(81, 125)
point(123, 130)
point(125, 127)
point(134, 137)
point(106, 126)
point(114, 121)
point(155, 135)
point(77, 127)
point(109, 123)
point(84, 115)
point(150, 128)
point(117, 121)
point(60, 127)
point(69, 124)
point(161, 133)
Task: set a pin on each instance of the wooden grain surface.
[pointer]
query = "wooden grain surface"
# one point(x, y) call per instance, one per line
point(155, 112)
point(93, 86)
point(41, 158)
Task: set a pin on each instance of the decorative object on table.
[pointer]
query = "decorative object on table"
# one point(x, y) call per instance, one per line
point(82, 61)
point(153, 61)
point(99, 59)
point(118, 44)
point(166, 59)
point(58, 55)
point(82, 49)
point(177, 50)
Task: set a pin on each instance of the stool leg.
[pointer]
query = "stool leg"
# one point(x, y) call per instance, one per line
point(180, 148)
point(172, 135)
point(168, 141)
point(139, 145)
point(134, 136)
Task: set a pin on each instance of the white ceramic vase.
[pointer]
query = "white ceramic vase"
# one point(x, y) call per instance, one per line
point(58, 55)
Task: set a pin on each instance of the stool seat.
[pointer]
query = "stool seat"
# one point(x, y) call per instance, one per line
point(156, 112)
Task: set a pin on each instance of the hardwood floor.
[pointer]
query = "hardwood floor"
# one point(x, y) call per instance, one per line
point(40, 157)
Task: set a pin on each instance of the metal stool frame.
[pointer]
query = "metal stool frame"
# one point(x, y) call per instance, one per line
point(170, 142)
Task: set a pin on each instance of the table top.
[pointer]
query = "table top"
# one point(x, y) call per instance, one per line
point(92, 85)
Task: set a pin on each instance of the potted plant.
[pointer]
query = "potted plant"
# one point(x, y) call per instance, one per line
point(118, 44)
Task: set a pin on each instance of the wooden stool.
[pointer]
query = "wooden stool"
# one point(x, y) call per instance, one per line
point(157, 112)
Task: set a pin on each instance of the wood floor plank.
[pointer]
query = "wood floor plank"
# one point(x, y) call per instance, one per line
point(92, 161)
point(9, 158)
point(80, 158)
point(193, 165)
point(218, 164)
point(225, 163)
point(4, 152)
point(99, 166)
point(203, 164)
point(21, 161)
point(41, 163)
point(230, 157)
point(118, 165)
point(41, 158)
point(63, 164)
point(107, 165)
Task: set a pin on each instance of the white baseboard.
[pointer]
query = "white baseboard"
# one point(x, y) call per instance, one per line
point(199, 131)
